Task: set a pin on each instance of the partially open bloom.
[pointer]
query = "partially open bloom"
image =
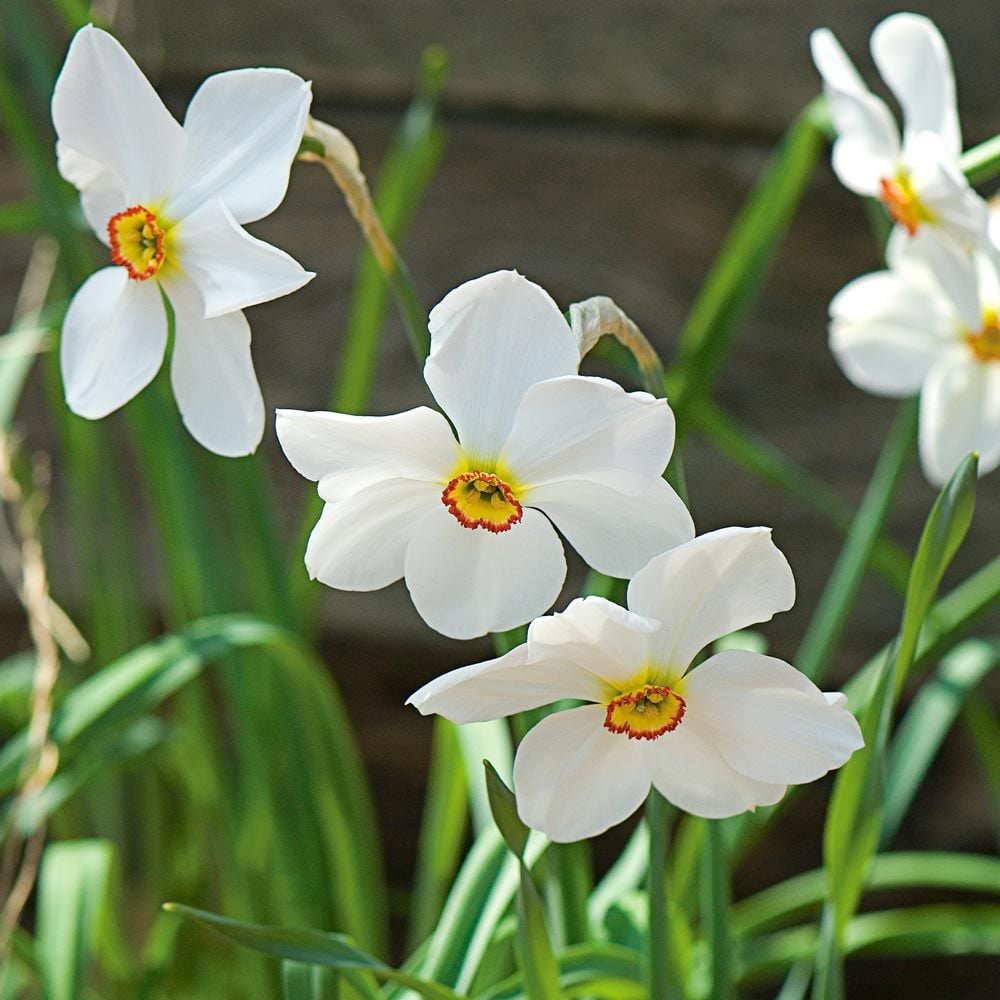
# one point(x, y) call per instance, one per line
point(169, 201)
point(917, 328)
point(917, 179)
point(717, 740)
point(469, 521)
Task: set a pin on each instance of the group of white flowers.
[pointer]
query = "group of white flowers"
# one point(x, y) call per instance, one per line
point(464, 504)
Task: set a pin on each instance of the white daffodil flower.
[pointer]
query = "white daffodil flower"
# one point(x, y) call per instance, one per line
point(917, 328)
point(170, 202)
point(918, 179)
point(718, 740)
point(469, 522)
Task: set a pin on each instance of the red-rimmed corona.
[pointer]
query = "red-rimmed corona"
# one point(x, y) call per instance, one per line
point(138, 242)
point(645, 714)
point(482, 500)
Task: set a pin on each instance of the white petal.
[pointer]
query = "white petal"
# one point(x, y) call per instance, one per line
point(243, 130)
point(345, 453)
point(360, 543)
point(954, 270)
point(719, 583)
point(232, 269)
point(768, 720)
point(688, 770)
point(101, 193)
point(113, 339)
point(491, 339)
point(616, 534)
point(575, 428)
point(608, 641)
point(106, 110)
point(467, 582)
point(886, 333)
point(575, 779)
point(913, 59)
point(959, 414)
point(504, 686)
point(867, 148)
point(213, 375)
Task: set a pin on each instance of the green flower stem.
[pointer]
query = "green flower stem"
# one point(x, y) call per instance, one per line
point(662, 968)
point(982, 162)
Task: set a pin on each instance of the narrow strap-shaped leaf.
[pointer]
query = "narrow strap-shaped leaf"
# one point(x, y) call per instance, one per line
point(73, 886)
point(310, 947)
point(442, 832)
point(739, 270)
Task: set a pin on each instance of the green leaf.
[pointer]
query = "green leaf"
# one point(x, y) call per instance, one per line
point(982, 162)
point(73, 886)
point(714, 911)
point(769, 463)
point(584, 970)
point(984, 728)
point(333, 951)
point(627, 874)
point(853, 821)
point(927, 722)
point(538, 962)
point(21, 217)
point(482, 894)
point(840, 593)
point(803, 894)
point(309, 982)
point(442, 832)
point(503, 806)
point(739, 271)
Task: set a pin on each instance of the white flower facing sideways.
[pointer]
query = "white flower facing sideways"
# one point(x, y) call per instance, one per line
point(170, 202)
point(918, 179)
point(716, 740)
point(467, 517)
point(909, 329)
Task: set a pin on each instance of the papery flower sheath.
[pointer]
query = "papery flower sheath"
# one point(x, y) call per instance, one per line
point(913, 329)
point(467, 517)
point(170, 202)
point(716, 740)
point(917, 178)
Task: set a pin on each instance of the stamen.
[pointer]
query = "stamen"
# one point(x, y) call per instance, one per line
point(902, 203)
point(482, 500)
point(645, 714)
point(137, 242)
point(985, 343)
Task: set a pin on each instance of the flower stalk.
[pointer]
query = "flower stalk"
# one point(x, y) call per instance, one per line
point(329, 147)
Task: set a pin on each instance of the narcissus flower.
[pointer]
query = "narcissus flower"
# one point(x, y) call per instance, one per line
point(917, 179)
point(914, 328)
point(467, 517)
point(169, 201)
point(717, 740)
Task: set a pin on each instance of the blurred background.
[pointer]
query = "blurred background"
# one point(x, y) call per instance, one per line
point(599, 148)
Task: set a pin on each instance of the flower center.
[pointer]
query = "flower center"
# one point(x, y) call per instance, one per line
point(646, 713)
point(985, 343)
point(902, 203)
point(137, 242)
point(482, 500)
